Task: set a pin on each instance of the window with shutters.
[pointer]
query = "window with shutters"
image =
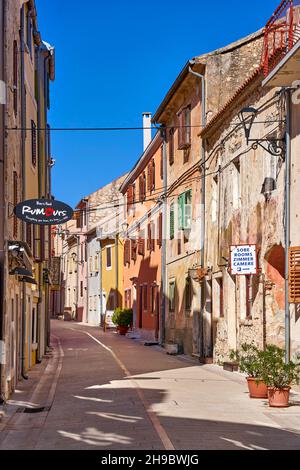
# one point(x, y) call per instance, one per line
point(149, 177)
point(15, 189)
point(172, 221)
point(149, 236)
point(294, 275)
point(172, 296)
point(160, 230)
point(184, 128)
point(162, 162)
point(130, 197)
point(153, 176)
point(185, 211)
point(15, 76)
point(33, 144)
point(141, 243)
point(133, 250)
point(153, 296)
point(126, 252)
point(171, 146)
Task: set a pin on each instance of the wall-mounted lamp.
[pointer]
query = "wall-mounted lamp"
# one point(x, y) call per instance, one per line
point(271, 145)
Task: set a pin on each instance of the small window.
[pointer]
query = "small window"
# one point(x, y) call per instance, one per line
point(172, 296)
point(108, 257)
point(185, 211)
point(184, 128)
point(171, 146)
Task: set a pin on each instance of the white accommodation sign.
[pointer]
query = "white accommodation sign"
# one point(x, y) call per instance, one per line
point(243, 259)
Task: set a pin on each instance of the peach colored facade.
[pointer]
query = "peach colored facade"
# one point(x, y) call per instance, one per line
point(143, 241)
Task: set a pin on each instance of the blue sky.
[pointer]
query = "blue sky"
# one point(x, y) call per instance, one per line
point(117, 59)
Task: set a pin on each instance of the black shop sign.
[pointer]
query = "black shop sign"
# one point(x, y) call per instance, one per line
point(43, 212)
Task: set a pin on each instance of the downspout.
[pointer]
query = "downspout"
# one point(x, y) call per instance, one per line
point(2, 198)
point(287, 224)
point(23, 137)
point(203, 202)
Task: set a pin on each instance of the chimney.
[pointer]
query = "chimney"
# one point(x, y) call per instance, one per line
point(147, 129)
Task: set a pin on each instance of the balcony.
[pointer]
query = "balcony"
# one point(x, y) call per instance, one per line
point(281, 34)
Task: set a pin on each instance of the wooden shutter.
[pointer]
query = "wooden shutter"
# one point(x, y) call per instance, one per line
point(171, 146)
point(152, 242)
point(160, 234)
point(15, 76)
point(149, 171)
point(129, 197)
point(141, 243)
point(141, 191)
point(133, 250)
point(294, 275)
point(180, 130)
point(15, 189)
point(126, 252)
point(149, 237)
point(153, 176)
point(33, 144)
point(161, 162)
point(172, 220)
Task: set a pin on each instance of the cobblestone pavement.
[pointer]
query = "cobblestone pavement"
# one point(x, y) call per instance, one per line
point(99, 390)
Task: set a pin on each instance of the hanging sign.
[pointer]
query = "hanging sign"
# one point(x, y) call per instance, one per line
point(243, 259)
point(43, 212)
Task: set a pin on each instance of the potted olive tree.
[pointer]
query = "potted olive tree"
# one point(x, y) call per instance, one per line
point(252, 363)
point(122, 317)
point(279, 375)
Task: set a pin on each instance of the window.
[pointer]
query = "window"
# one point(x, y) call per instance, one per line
point(160, 230)
point(162, 162)
point(172, 222)
point(96, 264)
point(188, 293)
point(81, 288)
point(33, 144)
point(29, 32)
point(141, 243)
point(184, 128)
point(126, 252)
point(171, 146)
point(219, 285)
point(15, 196)
point(172, 296)
point(145, 297)
point(151, 236)
point(130, 197)
point(142, 187)
point(133, 250)
point(15, 76)
point(108, 257)
point(185, 211)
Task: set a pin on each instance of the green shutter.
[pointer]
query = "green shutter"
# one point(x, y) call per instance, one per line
point(181, 200)
point(172, 231)
point(187, 210)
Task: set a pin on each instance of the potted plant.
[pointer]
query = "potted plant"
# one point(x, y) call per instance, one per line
point(279, 376)
point(252, 363)
point(123, 319)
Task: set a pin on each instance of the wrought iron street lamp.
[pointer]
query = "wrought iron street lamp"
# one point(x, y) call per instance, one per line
point(270, 144)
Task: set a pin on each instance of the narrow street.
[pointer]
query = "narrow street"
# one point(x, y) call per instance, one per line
point(99, 391)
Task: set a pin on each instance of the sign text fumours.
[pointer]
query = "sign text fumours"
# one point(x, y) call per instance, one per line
point(43, 212)
point(243, 259)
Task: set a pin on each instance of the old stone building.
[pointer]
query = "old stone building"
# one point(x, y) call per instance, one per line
point(199, 92)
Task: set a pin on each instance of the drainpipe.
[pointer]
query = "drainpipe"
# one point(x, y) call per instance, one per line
point(23, 137)
point(2, 180)
point(287, 223)
point(164, 242)
point(203, 196)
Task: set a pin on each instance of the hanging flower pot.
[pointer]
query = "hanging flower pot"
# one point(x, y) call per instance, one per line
point(279, 397)
point(257, 389)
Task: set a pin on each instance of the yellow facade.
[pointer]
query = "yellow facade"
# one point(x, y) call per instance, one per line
point(112, 273)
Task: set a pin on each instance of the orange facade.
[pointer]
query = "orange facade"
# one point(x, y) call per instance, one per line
point(142, 245)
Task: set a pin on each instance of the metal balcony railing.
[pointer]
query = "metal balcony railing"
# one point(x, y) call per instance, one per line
point(281, 33)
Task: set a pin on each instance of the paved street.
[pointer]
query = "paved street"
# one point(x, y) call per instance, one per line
point(103, 391)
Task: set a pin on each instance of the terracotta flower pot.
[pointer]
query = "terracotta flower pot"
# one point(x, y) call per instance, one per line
point(122, 330)
point(257, 389)
point(279, 397)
